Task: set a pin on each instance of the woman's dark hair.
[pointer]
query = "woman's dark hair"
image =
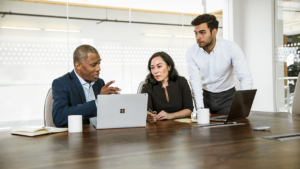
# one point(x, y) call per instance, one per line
point(173, 74)
point(211, 20)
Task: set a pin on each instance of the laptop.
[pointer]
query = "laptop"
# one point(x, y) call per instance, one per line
point(240, 106)
point(121, 111)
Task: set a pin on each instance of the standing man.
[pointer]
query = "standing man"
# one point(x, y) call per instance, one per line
point(211, 66)
point(75, 93)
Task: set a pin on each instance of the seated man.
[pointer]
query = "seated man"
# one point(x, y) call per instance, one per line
point(75, 93)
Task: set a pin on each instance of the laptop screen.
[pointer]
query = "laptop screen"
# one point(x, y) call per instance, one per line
point(241, 104)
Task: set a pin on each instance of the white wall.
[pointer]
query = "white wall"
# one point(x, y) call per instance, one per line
point(250, 23)
point(278, 61)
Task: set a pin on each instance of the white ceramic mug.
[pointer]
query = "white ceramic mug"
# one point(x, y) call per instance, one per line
point(75, 123)
point(203, 116)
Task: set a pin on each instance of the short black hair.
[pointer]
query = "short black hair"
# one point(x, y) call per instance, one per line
point(211, 20)
point(173, 73)
point(81, 52)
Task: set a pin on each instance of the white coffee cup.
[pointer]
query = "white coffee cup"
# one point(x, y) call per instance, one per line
point(75, 123)
point(203, 116)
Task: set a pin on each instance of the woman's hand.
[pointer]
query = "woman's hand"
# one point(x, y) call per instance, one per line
point(164, 115)
point(151, 118)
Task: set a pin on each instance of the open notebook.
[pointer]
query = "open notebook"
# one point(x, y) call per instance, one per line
point(26, 131)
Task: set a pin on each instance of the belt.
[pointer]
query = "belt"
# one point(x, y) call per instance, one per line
point(216, 92)
point(209, 91)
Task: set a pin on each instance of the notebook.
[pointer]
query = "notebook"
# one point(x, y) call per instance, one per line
point(27, 131)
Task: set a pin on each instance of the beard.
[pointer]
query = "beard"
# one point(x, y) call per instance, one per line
point(207, 43)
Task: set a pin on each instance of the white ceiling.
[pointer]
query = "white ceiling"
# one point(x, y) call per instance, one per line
point(290, 11)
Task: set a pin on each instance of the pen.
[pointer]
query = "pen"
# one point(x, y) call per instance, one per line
point(151, 111)
point(230, 123)
point(216, 124)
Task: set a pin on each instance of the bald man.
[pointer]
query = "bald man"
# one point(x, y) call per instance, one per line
point(75, 93)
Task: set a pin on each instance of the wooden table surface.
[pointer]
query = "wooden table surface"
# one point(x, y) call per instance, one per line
point(166, 144)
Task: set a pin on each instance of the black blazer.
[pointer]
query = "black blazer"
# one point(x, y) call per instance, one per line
point(179, 93)
point(69, 99)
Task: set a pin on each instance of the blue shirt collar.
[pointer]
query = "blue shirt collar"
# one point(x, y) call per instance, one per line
point(82, 82)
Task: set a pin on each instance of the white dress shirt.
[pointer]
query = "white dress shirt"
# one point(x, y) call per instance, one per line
point(214, 72)
point(87, 88)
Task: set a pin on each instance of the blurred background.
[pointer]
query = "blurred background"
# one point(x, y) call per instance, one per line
point(38, 37)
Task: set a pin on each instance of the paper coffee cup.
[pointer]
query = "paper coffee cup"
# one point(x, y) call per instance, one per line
point(75, 123)
point(203, 116)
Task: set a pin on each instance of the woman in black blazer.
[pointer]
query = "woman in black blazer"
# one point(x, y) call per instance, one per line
point(168, 93)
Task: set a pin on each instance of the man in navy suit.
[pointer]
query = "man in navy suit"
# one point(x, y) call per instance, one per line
point(75, 93)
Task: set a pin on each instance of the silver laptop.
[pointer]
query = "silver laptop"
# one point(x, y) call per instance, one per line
point(121, 111)
point(240, 106)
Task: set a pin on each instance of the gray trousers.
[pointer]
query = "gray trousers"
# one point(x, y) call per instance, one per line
point(218, 103)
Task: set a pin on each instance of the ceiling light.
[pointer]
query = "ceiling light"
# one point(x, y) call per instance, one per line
point(176, 36)
point(179, 36)
point(57, 30)
point(4, 128)
point(158, 35)
point(291, 23)
point(6, 27)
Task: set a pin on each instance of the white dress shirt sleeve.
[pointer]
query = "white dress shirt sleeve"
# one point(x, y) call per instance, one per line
point(195, 79)
point(241, 68)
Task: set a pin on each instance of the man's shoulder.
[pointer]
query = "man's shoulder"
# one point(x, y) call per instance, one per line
point(64, 78)
point(193, 47)
point(62, 82)
point(226, 43)
point(68, 77)
point(193, 50)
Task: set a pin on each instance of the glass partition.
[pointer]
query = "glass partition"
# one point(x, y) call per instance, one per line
point(108, 31)
point(37, 41)
point(287, 43)
point(32, 54)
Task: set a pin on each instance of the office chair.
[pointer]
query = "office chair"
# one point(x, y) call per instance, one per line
point(48, 120)
point(139, 91)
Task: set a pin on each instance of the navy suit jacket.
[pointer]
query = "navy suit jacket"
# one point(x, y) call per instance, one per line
point(69, 99)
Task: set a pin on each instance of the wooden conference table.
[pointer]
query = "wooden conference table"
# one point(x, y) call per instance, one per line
point(166, 144)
